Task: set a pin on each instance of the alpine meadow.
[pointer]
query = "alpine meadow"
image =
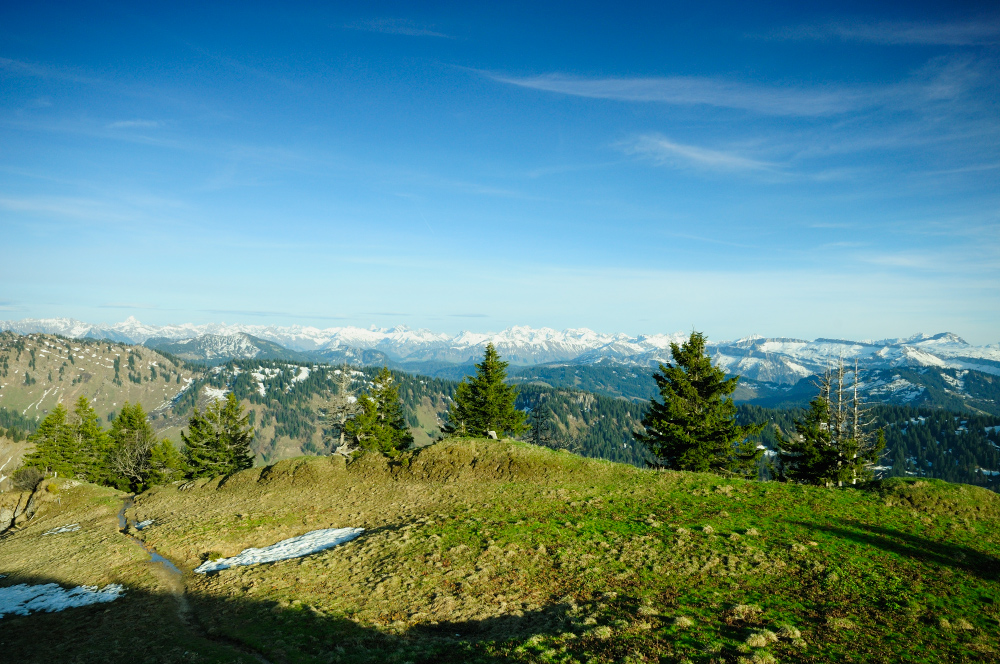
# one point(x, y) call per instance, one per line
point(474, 333)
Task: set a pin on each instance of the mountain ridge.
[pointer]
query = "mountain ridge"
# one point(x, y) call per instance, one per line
point(782, 360)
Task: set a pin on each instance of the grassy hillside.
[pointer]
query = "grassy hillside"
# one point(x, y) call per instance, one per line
point(37, 371)
point(481, 551)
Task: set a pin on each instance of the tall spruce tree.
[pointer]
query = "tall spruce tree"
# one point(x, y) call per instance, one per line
point(694, 427)
point(218, 441)
point(91, 443)
point(379, 423)
point(55, 451)
point(539, 425)
point(485, 402)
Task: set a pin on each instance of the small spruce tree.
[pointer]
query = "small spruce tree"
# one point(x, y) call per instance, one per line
point(694, 427)
point(218, 441)
point(379, 423)
point(485, 402)
point(91, 442)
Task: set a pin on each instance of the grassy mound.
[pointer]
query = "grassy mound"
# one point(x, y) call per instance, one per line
point(936, 497)
point(493, 551)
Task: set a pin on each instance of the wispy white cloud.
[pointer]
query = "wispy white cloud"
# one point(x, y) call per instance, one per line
point(940, 79)
point(20, 68)
point(966, 33)
point(396, 26)
point(65, 207)
point(127, 305)
point(691, 90)
point(666, 151)
point(134, 124)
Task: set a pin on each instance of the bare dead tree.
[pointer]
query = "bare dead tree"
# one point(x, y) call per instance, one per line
point(853, 440)
point(130, 458)
point(342, 406)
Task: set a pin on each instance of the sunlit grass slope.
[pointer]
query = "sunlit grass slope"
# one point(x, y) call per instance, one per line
point(494, 551)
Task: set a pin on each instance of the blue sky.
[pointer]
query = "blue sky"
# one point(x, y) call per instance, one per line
point(734, 168)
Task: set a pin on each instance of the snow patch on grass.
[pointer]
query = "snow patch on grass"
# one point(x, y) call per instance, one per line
point(71, 528)
point(295, 547)
point(23, 599)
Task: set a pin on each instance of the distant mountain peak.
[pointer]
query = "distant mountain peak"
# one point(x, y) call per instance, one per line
point(776, 359)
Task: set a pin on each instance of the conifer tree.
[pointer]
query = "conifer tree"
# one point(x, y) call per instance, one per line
point(835, 443)
point(132, 443)
point(804, 457)
point(54, 445)
point(166, 463)
point(694, 428)
point(218, 441)
point(379, 423)
point(485, 402)
point(91, 442)
point(539, 425)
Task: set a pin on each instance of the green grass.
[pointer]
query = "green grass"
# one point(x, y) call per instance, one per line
point(486, 551)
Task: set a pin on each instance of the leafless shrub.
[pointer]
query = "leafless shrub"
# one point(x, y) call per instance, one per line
point(27, 479)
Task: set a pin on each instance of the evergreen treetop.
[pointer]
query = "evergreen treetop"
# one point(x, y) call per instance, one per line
point(694, 427)
point(218, 441)
point(485, 402)
point(54, 449)
point(379, 423)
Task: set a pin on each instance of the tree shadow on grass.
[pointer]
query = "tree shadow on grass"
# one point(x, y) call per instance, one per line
point(945, 554)
point(145, 626)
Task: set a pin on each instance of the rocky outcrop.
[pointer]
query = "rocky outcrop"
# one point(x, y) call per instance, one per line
point(18, 507)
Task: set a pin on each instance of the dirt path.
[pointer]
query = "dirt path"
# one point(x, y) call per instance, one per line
point(173, 580)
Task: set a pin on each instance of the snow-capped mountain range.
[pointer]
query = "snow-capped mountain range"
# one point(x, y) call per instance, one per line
point(777, 360)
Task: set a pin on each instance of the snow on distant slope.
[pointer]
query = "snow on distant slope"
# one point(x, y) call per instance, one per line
point(781, 360)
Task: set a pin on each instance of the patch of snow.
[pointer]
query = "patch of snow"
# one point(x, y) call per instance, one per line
point(295, 547)
point(215, 392)
point(23, 599)
point(144, 524)
point(988, 472)
point(71, 528)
